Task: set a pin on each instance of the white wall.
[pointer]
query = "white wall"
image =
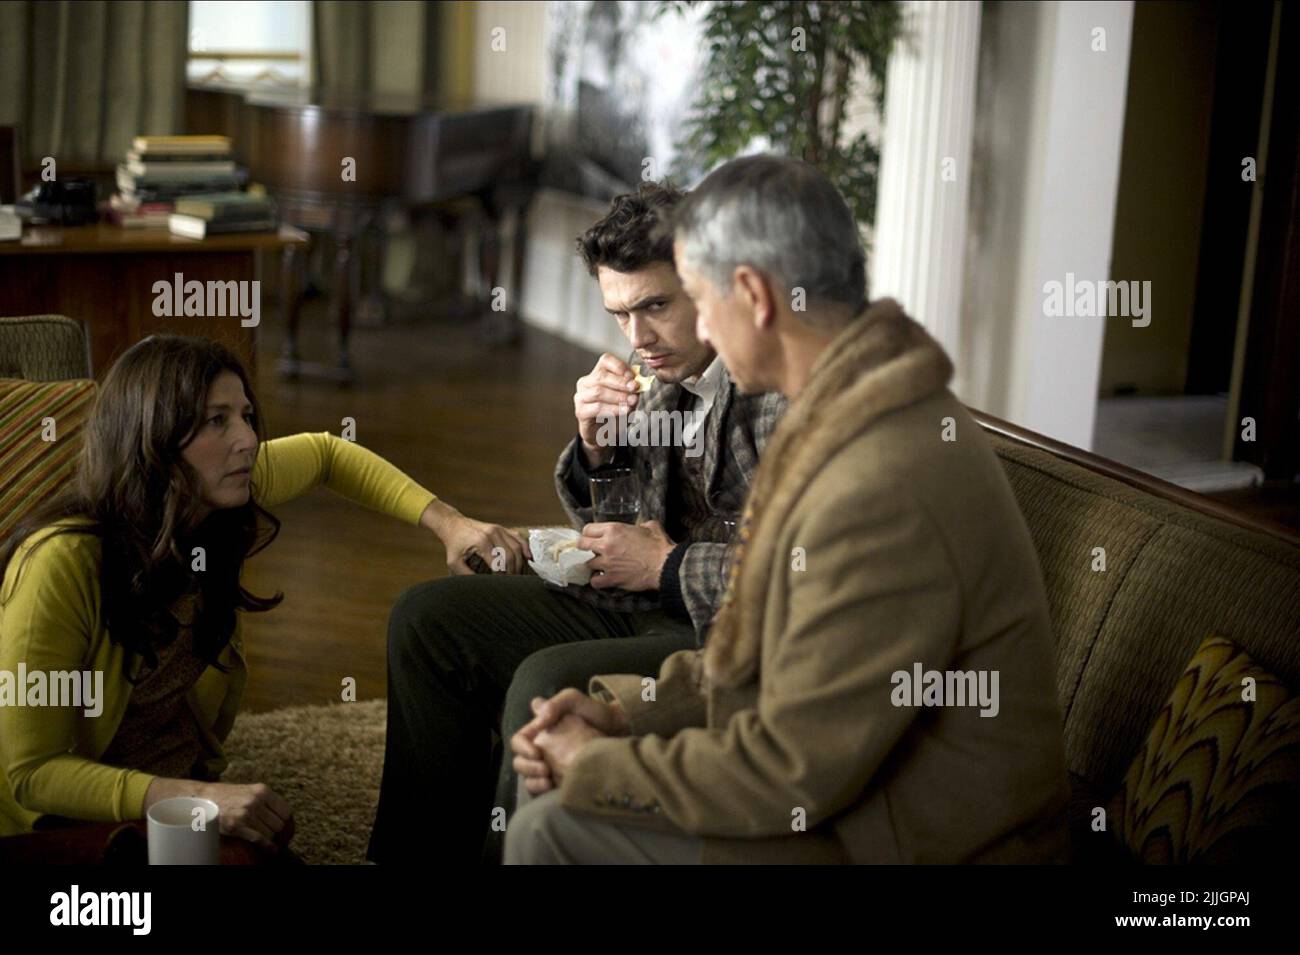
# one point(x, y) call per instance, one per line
point(1045, 175)
point(559, 295)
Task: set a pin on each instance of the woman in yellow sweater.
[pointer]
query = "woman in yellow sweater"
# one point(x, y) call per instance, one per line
point(133, 577)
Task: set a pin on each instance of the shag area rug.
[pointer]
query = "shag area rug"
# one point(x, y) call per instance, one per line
point(326, 761)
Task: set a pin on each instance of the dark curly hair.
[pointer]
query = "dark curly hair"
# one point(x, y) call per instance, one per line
point(626, 239)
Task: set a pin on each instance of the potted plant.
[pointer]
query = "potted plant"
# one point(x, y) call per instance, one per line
point(781, 73)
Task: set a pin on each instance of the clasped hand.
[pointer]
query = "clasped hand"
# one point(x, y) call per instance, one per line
point(546, 747)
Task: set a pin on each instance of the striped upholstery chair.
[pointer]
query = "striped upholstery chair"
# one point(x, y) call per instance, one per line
point(43, 348)
point(40, 435)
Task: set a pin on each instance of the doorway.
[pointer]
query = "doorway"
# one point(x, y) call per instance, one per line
point(1189, 220)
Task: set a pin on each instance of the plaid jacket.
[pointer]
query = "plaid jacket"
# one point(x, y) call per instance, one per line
point(694, 578)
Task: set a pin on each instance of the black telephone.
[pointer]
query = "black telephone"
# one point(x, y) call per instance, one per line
point(62, 202)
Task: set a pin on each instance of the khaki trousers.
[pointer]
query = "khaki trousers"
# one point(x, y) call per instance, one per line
point(543, 832)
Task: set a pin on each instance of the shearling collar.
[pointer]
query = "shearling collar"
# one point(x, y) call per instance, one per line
point(881, 362)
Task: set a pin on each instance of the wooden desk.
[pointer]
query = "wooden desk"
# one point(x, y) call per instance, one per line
point(104, 276)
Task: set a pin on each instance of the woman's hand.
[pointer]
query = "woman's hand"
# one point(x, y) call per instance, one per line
point(499, 549)
point(255, 813)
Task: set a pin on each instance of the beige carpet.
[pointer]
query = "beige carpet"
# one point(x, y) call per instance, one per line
point(326, 761)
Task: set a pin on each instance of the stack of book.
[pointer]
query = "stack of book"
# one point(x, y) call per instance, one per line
point(131, 213)
point(203, 215)
point(163, 168)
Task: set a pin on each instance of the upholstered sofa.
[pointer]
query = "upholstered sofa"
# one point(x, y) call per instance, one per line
point(1178, 568)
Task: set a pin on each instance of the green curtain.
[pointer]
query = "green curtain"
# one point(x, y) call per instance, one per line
point(80, 79)
point(360, 47)
point(341, 33)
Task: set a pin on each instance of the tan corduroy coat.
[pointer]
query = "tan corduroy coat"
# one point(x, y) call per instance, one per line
point(874, 546)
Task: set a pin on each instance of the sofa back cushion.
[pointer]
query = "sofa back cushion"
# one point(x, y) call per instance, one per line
point(1125, 634)
point(40, 435)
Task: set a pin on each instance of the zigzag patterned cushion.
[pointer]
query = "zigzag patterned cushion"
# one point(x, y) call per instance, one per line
point(33, 469)
point(1218, 778)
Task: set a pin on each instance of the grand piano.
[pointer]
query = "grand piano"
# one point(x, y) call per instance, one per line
point(335, 161)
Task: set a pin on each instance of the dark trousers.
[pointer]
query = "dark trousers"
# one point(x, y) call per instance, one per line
point(465, 656)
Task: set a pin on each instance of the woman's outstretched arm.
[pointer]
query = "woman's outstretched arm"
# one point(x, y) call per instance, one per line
point(290, 466)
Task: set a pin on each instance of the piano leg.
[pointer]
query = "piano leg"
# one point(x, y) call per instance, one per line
point(518, 251)
point(291, 364)
point(371, 251)
point(291, 292)
point(344, 284)
point(498, 327)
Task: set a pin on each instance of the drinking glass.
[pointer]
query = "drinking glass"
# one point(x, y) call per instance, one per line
point(615, 496)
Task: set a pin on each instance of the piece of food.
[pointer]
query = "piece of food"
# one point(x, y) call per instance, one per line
point(561, 547)
point(643, 382)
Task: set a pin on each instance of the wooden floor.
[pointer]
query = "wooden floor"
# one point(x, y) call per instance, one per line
point(479, 426)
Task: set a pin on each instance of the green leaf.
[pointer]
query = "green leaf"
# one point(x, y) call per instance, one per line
point(753, 84)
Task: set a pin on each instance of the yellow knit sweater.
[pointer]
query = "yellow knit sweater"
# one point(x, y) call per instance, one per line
point(50, 621)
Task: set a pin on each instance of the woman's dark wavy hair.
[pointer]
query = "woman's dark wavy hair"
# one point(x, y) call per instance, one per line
point(143, 501)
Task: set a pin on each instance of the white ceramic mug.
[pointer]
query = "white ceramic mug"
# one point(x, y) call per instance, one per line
point(184, 830)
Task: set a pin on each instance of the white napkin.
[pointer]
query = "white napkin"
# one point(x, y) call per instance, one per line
point(571, 568)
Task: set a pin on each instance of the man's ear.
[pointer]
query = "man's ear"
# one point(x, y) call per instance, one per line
point(756, 293)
